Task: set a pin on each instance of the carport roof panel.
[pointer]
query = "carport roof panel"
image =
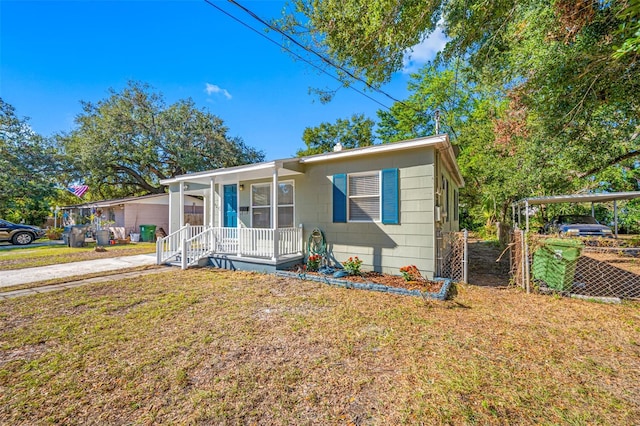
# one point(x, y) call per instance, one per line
point(582, 198)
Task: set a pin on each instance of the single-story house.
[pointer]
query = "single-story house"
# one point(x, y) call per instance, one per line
point(125, 215)
point(383, 203)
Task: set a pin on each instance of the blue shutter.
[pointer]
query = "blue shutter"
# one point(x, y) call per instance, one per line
point(340, 198)
point(390, 201)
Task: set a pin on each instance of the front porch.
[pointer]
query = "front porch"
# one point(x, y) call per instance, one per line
point(249, 218)
point(231, 248)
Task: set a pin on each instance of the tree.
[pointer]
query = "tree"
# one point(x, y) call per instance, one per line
point(557, 108)
point(351, 133)
point(125, 144)
point(29, 166)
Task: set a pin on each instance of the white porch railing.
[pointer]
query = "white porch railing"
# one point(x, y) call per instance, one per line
point(257, 242)
point(171, 246)
point(189, 246)
point(196, 247)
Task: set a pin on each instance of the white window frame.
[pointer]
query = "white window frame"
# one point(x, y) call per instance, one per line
point(349, 196)
point(271, 203)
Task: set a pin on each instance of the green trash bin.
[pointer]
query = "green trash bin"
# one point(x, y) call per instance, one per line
point(148, 233)
point(555, 262)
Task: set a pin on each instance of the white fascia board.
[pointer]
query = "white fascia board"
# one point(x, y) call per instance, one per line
point(376, 149)
point(221, 172)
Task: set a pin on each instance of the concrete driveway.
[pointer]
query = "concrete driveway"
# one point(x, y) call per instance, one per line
point(42, 273)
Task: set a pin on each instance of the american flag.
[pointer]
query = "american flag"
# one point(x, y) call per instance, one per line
point(78, 190)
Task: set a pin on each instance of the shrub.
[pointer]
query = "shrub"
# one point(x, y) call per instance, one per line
point(54, 233)
point(352, 266)
point(313, 263)
point(410, 273)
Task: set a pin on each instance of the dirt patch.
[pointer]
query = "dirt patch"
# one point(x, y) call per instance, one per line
point(619, 259)
point(486, 268)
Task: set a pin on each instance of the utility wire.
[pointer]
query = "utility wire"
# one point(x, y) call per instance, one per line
point(330, 62)
point(313, 52)
point(292, 52)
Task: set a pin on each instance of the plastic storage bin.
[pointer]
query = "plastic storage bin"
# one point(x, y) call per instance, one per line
point(555, 262)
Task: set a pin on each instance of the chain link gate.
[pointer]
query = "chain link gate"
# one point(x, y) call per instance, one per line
point(452, 255)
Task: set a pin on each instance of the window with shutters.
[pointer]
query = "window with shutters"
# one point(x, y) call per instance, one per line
point(261, 205)
point(364, 197)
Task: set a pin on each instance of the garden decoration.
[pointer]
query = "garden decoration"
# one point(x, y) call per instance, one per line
point(317, 244)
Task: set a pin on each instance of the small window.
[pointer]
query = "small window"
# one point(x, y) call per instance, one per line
point(445, 194)
point(456, 204)
point(364, 197)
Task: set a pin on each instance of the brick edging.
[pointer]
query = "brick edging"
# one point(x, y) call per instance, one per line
point(441, 295)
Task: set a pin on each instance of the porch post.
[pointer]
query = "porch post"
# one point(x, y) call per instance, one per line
point(181, 204)
point(274, 212)
point(174, 205)
point(205, 210)
point(212, 202)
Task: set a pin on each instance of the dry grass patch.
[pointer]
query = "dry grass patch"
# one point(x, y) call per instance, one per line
point(30, 257)
point(207, 346)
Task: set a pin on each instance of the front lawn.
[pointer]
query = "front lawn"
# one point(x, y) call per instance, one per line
point(218, 347)
point(29, 257)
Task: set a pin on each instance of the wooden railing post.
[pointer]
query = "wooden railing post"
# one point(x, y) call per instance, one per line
point(276, 243)
point(184, 259)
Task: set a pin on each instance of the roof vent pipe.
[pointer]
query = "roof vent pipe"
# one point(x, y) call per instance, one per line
point(337, 147)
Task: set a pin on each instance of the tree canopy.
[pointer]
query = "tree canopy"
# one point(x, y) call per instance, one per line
point(540, 97)
point(125, 144)
point(353, 132)
point(29, 168)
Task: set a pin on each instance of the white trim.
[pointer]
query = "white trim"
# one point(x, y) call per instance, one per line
point(349, 196)
point(440, 142)
point(376, 149)
point(221, 172)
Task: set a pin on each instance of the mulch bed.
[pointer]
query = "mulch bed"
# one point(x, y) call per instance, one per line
point(390, 281)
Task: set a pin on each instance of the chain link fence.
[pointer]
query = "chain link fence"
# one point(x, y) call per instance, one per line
point(453, 258)
point(583, 267)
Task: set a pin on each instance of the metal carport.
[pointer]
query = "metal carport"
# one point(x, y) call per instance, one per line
point(573, 198)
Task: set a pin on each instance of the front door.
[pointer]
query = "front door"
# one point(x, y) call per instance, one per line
point(230, 219)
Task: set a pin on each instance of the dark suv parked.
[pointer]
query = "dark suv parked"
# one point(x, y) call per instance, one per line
point(19, 234)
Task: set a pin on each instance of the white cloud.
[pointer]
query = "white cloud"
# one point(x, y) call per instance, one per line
point(423, 52)
point(211, 89)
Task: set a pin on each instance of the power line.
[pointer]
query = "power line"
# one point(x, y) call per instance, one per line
point(289, 50)
point(313, 52)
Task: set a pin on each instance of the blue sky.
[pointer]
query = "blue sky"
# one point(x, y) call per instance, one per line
point(53, 54)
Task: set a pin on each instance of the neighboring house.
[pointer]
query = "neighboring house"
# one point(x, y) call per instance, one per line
point(125, 215)
point(383, 203)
